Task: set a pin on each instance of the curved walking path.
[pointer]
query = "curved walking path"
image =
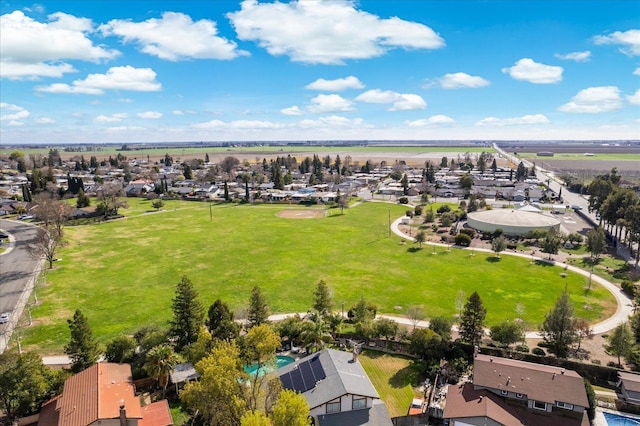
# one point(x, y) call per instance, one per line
point(623, 311)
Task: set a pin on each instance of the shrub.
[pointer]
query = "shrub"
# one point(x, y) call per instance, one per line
point(523, 348)
point(429, 216)
point(596, 362)
point(470, 232)
point(463, 240)
point(418, 211)
point(629, 288)
point(409, 213)
point(403, 200)
point(443, 209)
point(538, 351)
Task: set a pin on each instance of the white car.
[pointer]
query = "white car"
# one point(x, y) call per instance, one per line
point(4, 317)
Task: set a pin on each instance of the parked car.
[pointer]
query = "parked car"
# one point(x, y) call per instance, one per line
point(576, 207)
point(416, 407)
point(4, 317)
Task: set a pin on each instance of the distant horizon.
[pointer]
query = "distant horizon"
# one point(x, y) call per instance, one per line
point(345, 142)
point(86, 72)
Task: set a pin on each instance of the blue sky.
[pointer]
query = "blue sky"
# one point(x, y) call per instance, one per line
point(145, 71)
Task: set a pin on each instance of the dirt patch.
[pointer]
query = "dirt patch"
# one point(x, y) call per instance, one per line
point(301, 214)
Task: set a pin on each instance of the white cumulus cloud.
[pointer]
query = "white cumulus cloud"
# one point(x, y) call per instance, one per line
point(32, 49)
point(636, 71)
point(529, 70)
point(330, 103)
point(116, 78)
point(293, 110)
point(461, 80)
point(434, 120)
point(112, 118)
point(44, 120)
point(151, 115)
point(398, 101)
point(12, 112)
point(175, 37)
point(629, 40)
point(575, 56)
point(327, 32)
point(594, 100)
point(635, 98)
point(515, 121)
point(336, 85)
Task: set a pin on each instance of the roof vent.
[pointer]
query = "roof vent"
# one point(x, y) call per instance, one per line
point(562, 371)
point(554, 376)
point(490, 359)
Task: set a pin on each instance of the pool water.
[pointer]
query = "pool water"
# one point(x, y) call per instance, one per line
point(619, 420)
point(281, 361)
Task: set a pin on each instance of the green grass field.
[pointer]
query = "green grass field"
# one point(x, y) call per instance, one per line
point(122, 274)
point(580, 156)
point(394, 377)
point(256, 150)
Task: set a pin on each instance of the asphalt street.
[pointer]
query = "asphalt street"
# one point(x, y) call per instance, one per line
point(18, 272)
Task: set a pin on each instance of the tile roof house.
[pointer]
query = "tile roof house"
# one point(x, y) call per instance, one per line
point(629, 384)
point(510, 392)
point(337, 389)
point(102, 394)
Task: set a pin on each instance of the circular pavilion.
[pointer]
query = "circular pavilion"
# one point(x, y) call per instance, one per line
point(511, 221)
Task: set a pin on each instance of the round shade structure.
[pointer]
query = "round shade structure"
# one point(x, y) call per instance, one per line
point(512, 222)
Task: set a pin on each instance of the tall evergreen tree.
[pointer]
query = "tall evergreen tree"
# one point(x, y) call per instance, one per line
point(83, 349)
point(472, 321)
point(188, 314)
point(220, 321)
point(322, 299)
point(258, 308)
point(620, 342)
point(558, 328)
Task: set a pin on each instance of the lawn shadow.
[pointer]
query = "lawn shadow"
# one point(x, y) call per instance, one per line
point(493, 259)
point(403, 377)
point(545, 262)
point(414, 249)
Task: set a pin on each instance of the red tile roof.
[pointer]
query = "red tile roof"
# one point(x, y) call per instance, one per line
point(156, 414)
point(96, 394)
point(539, 382)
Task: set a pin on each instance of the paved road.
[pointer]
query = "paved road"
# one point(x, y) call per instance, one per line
point(18, 271)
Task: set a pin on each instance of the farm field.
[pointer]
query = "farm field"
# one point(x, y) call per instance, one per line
point(122, 274)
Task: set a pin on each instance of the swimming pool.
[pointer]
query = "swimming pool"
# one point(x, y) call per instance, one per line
point(620, 420)
point(281, 361)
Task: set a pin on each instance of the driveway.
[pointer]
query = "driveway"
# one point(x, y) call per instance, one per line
point(18, 272)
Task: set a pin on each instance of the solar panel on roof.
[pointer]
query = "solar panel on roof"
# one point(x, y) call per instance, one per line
point(296, 378)
point(287, 383)
point(307, 375)
point(316, 367)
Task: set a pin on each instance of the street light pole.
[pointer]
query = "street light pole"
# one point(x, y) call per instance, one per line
point(389, 222)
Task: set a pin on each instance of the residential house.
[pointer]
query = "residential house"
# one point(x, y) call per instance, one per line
point(629, 385)
point(511, 392)
point(337, 389)
point(103, 394)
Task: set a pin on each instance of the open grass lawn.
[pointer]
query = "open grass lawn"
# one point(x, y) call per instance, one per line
point(394, 377)
point(122, 274)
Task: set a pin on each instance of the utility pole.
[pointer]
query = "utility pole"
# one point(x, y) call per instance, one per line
point(210, 212)
point(389, 222)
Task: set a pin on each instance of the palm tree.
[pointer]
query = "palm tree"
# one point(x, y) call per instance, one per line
point(314, 334)
point(160, 362)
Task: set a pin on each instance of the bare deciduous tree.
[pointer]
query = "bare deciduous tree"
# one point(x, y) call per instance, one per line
point(110, 198)
point(46, 244)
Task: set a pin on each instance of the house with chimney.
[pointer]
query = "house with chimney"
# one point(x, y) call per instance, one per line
point(103, 394)
point(505, 391)
point(337, 389)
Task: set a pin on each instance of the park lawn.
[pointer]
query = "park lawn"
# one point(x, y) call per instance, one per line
point(122, 274)
point(394, 377)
